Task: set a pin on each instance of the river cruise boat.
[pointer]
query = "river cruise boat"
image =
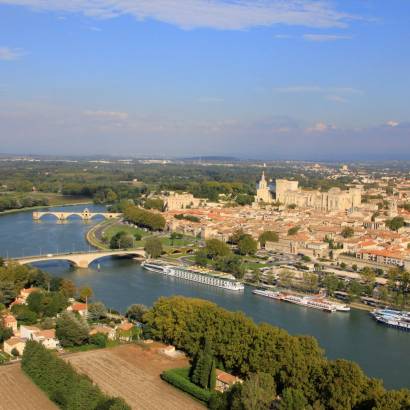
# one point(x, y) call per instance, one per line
point(393, 318)
point(313, 302)
point(194, 276)
point(153, 267)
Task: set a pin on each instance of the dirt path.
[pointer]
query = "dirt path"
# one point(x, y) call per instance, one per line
point(18, 392)
point(132, 372)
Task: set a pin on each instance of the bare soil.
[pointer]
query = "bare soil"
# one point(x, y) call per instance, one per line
point(133, 373)
point(18, 392)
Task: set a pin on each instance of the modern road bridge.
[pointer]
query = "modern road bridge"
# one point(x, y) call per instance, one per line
point(80, 259)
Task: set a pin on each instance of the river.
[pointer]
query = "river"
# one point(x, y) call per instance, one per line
point(382, 352)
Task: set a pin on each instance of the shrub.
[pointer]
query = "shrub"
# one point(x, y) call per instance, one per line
point(179, 379)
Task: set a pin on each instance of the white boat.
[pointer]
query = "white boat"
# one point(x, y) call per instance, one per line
point(268, 294)
point(393, 318)
point(153, 266)
point(191, 275)
point(341, 308)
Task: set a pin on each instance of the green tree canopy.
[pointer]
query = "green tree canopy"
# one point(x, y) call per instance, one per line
point(247, 245)
point(153, 247)
point(268, 236)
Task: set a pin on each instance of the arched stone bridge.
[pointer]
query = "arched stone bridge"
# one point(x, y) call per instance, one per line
point(80, 259)
point(84, 215)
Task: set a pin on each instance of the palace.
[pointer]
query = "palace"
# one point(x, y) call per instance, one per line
point(289, 193)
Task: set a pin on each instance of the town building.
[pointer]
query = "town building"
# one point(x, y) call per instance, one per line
point(175, 201)
point(105, 330)
point(224, 381)
point(14, 343)
point(9, 321)
point(80, 308)
point(263, 194)
point(289, 193)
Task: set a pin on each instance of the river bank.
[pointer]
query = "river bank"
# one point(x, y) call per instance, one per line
point(381, 351)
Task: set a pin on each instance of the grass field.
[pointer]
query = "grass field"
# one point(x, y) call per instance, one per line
point(133, 372)
point(18, 392)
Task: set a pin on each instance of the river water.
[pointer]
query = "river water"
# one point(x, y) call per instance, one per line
point(382, 352)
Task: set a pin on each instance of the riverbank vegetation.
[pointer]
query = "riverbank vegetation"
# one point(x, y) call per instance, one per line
point(300, 371)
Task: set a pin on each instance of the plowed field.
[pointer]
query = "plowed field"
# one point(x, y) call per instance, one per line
point(132, 372)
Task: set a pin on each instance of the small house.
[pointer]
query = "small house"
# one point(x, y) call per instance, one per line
point(9, 321)
point(225, 380)
point(14, 343)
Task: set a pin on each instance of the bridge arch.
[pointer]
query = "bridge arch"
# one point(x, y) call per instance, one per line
point(83, 260)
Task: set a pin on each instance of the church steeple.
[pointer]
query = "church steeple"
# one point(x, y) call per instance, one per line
point(262, 182)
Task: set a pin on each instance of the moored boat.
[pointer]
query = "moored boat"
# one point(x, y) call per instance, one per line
point(393, 318)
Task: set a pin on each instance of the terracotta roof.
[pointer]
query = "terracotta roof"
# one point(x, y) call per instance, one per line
point(225, 377)
point(47, 334)
point(78, 306)
point(125, 326)
point(9, 319)
point(13, 341)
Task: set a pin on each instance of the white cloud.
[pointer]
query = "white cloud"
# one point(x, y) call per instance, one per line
point(107, 115)
point(336, 98)
point(303, 89)
point(392, 123)
point(321, 38)
point(216, 14)
point(10, 54)
point(321, 127)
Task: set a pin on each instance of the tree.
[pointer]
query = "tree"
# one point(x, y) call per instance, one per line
point(212, 376)
point(236, 236)
point(258, 392)
point(68, 288)
point(99, 339)
point(85, 293)
point(215, 248)
point(35, 302)
point(5, 333)
point(230, 264)
point(7, 292)
point(202, 367)
point(347, 232)
point(24, 315)
point(136, 312)
point(153, 247)
point(123, 240)
point(154, 203)
point(247, 245)
point(97, 311)
point(293, 231)
point(71, 330)
point(201, 257)
point(268, 236)
point(244, 199)
point(396, 223)
point(293, 399)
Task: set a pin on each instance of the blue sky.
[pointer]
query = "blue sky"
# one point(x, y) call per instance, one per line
point(298, 79)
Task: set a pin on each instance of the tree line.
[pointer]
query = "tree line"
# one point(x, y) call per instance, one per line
point(62, 384)
point(297, 364)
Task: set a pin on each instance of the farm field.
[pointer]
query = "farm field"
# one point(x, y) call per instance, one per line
point(133, 372)
point(18, 392)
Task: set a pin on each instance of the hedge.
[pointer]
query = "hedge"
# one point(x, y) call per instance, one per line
point(178, 378)
point(62, 384)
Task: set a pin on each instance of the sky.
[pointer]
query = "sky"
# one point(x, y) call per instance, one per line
point(261, 79)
